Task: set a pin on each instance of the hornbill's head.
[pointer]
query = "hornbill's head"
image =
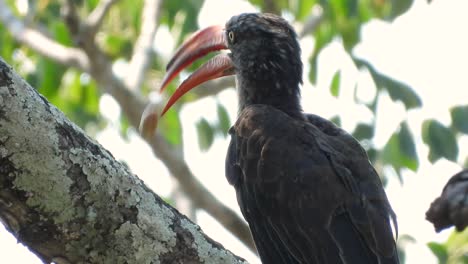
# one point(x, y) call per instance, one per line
point(264, 55)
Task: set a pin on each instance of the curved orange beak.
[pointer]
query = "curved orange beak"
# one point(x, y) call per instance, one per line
point(201, 43)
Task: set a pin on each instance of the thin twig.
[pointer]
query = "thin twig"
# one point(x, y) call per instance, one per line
point(142, 51)
point(72, 19)
point(94, 21)
point(312, 21)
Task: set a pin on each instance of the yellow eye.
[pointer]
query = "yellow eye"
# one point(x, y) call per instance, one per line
point(231, 36)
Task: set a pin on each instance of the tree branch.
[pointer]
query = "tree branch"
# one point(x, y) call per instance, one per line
point(132, 104)
point(214, 87)
point(94, 20)
point(451, 208)
point(312, 21)
point(143, 48)
point(70, 201)
point(40, 43)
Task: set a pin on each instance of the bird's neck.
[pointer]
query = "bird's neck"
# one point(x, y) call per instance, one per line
point(282, 94)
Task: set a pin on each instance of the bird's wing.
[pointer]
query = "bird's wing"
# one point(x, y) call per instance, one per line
point(308, 191)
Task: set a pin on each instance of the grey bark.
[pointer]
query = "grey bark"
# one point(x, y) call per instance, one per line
point(69, 201)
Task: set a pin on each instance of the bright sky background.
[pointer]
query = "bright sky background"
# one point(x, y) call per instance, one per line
point(426, 48)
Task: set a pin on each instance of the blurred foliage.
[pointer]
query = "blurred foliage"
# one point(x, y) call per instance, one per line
point(454, 250)
point(397, 90)
point(459, 116)
point(181, 16)
point(400, 150)
point(205, 134)
point(224, 121)
point(335, 84)
point(402, 242)
point(439, 250)
point(441, 139)
point(206, 131)
point(76, 94)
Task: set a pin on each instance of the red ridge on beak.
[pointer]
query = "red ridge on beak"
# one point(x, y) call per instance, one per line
point(205, 41)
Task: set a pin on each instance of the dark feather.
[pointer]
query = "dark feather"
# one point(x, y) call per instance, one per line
point(308, 191)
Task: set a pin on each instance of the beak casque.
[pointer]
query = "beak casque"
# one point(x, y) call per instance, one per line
point(201, 43)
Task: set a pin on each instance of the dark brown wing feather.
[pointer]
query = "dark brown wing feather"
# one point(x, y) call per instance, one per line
point(308, 191)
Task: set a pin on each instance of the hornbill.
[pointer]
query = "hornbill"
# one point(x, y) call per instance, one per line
point(305, 186)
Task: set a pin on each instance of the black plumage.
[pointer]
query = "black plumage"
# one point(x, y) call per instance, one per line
point(308, 191)
point(305, 186)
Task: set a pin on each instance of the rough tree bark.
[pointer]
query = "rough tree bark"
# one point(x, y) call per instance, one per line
point(89, 57)
point(69, 201)
point(451, 208)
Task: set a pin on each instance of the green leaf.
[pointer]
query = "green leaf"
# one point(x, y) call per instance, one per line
point(363, 131)
point(7, 44)
point(223, 119)
point(170, 127)
point(172, 11)
point(257, 3)
point(124, 125)
point(440, 139)
point(399, 7)
point(407, 146)
point(49, 76)
point(304, 9)
point(343, 16)
point(126, 15)
point(400, 150)
point(61, 33)
point(205, 134)
point(92, 4)
point(335, 84)
point(391, 153)
point(47, 12)
point(323, 35)
point(454, 250)
point(365, 11)
point(440, 251)
point(339, 8)
point(117, 45)
point(397, 90)
point(313, 69)
point(460, 118)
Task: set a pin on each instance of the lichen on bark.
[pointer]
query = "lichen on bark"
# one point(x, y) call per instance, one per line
point(70, 201)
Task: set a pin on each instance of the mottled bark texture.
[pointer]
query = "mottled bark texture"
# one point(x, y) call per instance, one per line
point(451, 208)
point(69, 201)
